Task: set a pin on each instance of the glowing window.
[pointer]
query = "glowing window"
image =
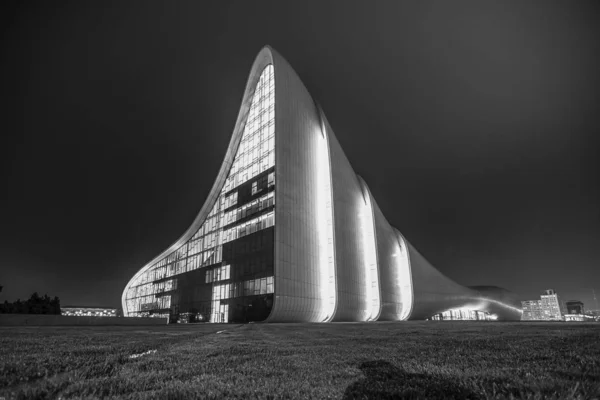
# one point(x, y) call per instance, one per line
point(254, 155)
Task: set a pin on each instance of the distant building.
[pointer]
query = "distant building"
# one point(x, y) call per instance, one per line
point(463, 314)
point(551, 307)
point(73, 311)
point(575, 312)
point(575, 307)
point(592, 315)
point(532, 310)
point(548, 308)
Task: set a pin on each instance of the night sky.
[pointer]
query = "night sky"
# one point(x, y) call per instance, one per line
point(475, 125)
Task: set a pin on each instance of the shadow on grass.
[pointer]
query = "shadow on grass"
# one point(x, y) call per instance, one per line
point(385, 381)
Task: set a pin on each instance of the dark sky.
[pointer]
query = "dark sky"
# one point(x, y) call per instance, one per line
point(475, 125)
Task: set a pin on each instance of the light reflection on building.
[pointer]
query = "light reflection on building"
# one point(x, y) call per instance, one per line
point(73, 311)
point(464, 314)
point(209, 278)
point(290, 233)
point(547, 308)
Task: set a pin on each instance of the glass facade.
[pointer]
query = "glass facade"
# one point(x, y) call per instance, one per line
point(548, 308)
point(224, 272)
point(551, 309)
point(463, 314)
point(88, 312)
point(532, 310)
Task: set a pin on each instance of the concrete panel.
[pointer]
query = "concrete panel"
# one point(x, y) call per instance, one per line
point(371, 262)
point(348, 203)
point(297, 254)
point(433, 291)
point(389, 256)
point(326, 220)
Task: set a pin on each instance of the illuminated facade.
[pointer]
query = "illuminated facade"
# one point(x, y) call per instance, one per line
point(532, 310)
point(72, 311)
point(548, 308)
point(290, 232)
point(463, 315)
point(551, 307)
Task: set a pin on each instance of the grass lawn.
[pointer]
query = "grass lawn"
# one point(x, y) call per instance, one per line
point(460, 360)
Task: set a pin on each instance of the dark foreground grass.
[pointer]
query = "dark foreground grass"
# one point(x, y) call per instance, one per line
point(376, 360)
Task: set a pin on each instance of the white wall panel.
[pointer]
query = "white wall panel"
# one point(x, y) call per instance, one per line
point(371, 262)
point(348, 203)
point(298, 294)
point(433, 291)
point(390, 258)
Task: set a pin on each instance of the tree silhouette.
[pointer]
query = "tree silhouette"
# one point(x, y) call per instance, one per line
point(35, 305)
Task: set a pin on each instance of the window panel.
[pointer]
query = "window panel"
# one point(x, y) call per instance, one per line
point(254, 155)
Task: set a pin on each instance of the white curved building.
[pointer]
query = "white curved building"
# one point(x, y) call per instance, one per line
point(289, 232)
